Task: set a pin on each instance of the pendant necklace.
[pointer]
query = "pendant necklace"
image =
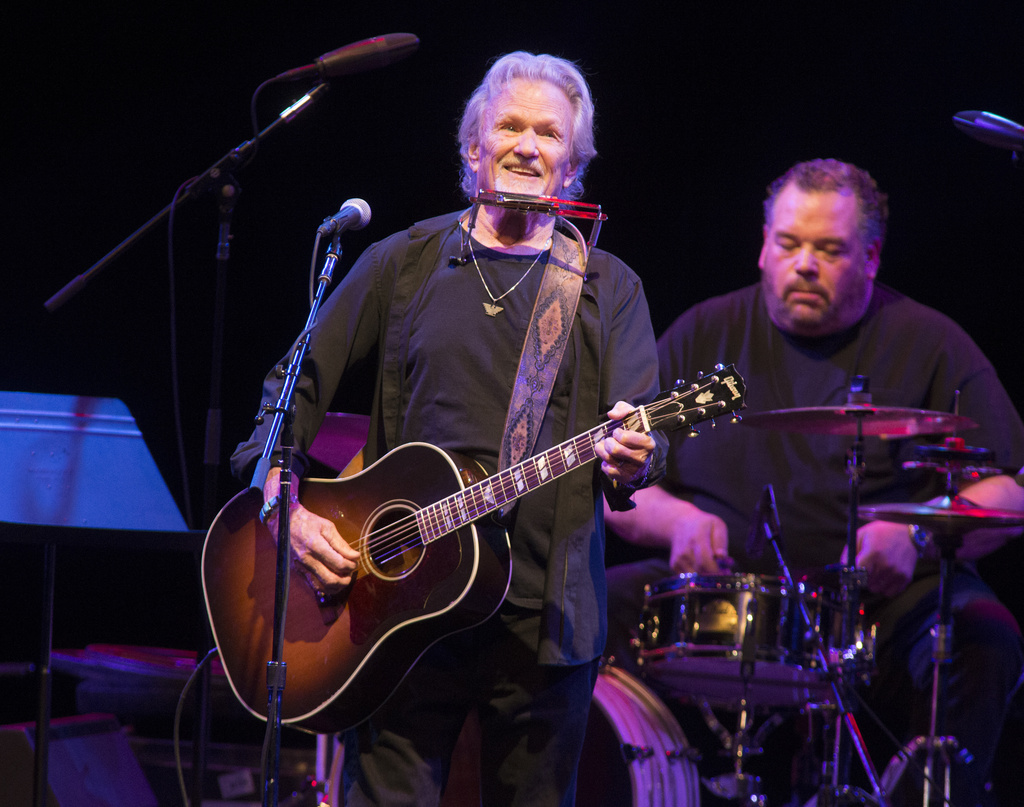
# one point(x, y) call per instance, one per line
point(492, 308)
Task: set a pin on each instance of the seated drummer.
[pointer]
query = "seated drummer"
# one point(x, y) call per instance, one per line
point(815, 321)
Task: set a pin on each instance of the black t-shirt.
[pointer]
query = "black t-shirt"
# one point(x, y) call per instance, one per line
point(914, 357)
point(486, 363)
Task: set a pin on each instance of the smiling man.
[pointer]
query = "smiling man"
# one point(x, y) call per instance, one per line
point(442, 310)
point(818, 319)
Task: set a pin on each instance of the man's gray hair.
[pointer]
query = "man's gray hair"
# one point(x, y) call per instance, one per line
point(532, 67)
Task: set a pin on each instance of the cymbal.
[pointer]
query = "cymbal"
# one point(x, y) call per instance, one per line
point(883, 421)
point(950, 517)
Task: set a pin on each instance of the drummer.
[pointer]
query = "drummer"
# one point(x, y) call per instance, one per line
point(817, 320)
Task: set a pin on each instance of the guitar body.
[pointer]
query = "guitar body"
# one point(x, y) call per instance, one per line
point(345, 656)
point(431, 563)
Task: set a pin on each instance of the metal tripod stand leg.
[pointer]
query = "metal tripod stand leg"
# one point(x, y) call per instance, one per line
point(938, 750)
point(737, 785)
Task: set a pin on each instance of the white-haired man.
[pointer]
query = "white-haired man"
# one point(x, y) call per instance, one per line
point(443, 308)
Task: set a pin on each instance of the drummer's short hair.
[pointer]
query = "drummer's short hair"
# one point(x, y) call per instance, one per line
point(834, 175)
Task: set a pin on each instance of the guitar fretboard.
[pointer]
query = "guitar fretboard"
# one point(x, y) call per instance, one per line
point(493, 493)
point(667, 411)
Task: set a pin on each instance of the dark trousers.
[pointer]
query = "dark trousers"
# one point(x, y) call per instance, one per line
point(533, 719)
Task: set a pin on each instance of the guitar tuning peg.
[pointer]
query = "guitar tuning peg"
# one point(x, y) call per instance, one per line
point(679, 382)
point(719, 367)
point(693, 432)
point(700, 374)
point(712, 422)
point(736, 419)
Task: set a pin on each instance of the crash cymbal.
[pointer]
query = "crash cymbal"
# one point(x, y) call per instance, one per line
point(950, 516)
point(883, 421)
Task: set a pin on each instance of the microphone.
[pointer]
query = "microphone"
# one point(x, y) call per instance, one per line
point(368, 54)
point(773, 527)
point(354, 215)
point(765, 524)
point(990, 129)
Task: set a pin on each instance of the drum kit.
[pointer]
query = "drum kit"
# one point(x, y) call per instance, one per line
point(749, 642)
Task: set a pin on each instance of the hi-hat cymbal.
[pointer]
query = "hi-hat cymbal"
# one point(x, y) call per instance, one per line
point(883, 421)
point(949, 517)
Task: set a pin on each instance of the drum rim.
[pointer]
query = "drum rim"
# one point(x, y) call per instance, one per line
point(680, 786)
point(738, 582)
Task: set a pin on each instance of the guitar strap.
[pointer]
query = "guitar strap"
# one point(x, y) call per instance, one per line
point(546, 338)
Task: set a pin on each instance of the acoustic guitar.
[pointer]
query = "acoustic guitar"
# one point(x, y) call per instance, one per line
point(431, 564)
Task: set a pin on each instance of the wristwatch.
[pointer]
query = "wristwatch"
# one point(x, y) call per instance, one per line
point(920, 538)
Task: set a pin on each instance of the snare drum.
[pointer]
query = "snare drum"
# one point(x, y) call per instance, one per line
point(695, 630)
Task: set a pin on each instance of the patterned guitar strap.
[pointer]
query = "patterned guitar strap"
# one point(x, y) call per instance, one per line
point(546, 338)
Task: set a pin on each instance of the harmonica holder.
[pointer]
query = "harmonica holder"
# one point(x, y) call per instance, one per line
point(561, 209)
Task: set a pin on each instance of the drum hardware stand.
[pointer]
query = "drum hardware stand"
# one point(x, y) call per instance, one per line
point(954, 459)
point(739, 786)
point(832, 793)
point(852, 583)
point(938, 749)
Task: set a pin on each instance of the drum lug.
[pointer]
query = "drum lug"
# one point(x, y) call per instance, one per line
point(632, 753)
point(687, 754)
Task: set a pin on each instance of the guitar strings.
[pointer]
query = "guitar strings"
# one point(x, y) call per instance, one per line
point(404, 534)
point(391, 542)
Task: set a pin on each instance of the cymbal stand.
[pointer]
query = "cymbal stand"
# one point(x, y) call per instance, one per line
point(954, 459)
point(937, 747)
point(835, 792)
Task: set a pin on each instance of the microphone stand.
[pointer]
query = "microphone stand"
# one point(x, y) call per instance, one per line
point(227, 200)
point(284, 415)
point(219, 175)
point(235, 158)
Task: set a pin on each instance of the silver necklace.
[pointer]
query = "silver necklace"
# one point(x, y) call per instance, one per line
point(492, 308)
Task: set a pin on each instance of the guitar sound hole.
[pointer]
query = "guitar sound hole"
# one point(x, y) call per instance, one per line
point(393, 544)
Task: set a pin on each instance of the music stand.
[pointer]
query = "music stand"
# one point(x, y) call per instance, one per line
point(66, 450)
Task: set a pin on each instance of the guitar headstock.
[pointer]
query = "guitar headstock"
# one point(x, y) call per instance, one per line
point(688, 404)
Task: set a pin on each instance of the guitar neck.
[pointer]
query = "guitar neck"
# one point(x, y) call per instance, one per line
point(505, 487)
point(683, 405)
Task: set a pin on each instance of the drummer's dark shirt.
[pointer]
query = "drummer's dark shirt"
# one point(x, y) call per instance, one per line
point(913, 356)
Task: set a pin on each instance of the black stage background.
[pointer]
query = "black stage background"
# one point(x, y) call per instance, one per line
point(112, 106)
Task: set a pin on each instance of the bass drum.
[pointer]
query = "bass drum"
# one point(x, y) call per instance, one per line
point(634, 753)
